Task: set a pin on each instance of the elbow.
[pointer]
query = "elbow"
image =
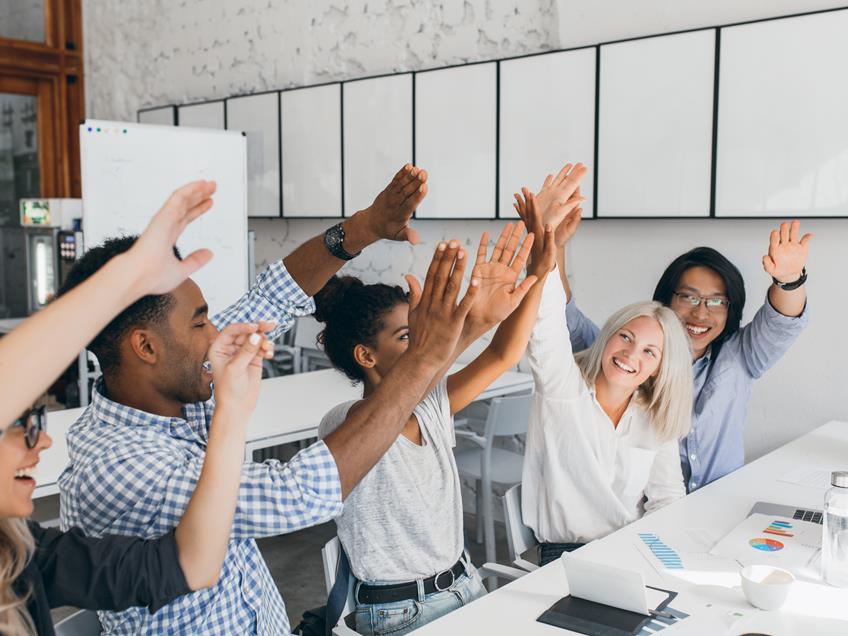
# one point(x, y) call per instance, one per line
point(203, 578)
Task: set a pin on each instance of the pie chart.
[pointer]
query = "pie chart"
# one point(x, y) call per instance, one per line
point(766, 545)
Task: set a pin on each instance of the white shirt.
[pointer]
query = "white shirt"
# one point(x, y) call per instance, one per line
point(584, 477)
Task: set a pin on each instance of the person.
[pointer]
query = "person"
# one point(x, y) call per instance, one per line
point(602, 438)
point(402, 526)
point(42, 567)
point(136, 451)
point(68, 324)
point(707, 292)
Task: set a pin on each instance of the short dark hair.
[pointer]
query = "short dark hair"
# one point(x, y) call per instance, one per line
point(148, 310)
point(353, 314)
point(734, 285)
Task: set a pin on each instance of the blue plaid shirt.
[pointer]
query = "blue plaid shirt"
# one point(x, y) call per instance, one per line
point(133, 473)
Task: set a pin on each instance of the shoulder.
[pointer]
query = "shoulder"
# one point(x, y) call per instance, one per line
point(334, 417)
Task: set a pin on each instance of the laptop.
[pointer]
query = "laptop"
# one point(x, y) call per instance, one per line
point(781, 510)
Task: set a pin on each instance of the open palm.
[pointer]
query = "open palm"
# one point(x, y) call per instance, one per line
point(560, 198)
point(498, 295)
point(787, 254)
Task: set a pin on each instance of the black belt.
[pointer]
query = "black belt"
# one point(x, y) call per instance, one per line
point(379, 594)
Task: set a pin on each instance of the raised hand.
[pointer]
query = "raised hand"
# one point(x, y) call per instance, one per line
point(560, 196)
point(388, 217)
point(787, 255)
point(236, 358)
point(498, 295)
point(435, 318)
point(543, 254)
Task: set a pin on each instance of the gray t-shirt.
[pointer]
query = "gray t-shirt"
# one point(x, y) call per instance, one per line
point(403, 521)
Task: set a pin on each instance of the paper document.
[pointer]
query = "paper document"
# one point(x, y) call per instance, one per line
point(772, 540)
point(808, 476)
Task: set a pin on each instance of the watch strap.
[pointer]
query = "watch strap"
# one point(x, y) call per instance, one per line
point(795, 284)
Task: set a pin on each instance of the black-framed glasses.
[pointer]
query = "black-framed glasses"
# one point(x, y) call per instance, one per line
point(715, 303)
point(33, 421)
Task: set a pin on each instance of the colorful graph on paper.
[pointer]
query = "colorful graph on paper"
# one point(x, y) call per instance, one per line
point(667, 556)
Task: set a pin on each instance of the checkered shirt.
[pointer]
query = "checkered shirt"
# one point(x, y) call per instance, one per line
point(133, 473)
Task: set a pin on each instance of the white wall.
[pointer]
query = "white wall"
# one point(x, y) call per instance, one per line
point(143, 54)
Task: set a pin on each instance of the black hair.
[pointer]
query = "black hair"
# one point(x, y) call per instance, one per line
point(148, 310)
point(353, 314)
point(734, 285)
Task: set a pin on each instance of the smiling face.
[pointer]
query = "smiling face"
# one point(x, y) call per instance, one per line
point(633, 353)
point(17, 467)
point(702, 325)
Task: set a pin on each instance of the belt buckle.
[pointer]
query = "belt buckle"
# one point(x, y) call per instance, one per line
point(449, 585)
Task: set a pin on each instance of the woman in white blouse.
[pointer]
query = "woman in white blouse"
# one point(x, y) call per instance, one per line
point(602, 444)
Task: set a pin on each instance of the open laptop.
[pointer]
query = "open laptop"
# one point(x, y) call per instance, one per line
point(781, 510)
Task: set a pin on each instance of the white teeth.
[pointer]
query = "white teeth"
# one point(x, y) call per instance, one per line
point(697, 330)
point(623, 366)
point(207, 366)
point(25, 472)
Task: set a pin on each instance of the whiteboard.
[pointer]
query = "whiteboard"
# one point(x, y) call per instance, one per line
point(655, 126)
point(377, 136)
point(455, 140)
point(206, 115)
point(540, 135)
point(127, 176)
point(163, 116)
point(312, 152)
point(782, 147)
point(258, 117)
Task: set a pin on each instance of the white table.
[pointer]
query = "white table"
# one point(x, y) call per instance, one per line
point(812, 608)
point(289, 409)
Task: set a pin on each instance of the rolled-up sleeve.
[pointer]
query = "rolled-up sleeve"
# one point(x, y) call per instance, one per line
point(109, 573)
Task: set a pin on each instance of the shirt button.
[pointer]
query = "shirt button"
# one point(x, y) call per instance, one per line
point(694, 484)
point(693, 457)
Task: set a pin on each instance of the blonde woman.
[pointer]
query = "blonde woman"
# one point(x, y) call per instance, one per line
point(602, 439)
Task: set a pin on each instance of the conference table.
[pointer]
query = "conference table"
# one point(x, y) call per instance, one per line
point(712, 597)
point(289, 409)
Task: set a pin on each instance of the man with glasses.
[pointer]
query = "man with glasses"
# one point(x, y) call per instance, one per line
point(707, 293)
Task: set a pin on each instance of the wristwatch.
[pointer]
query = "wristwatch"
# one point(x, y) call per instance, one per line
point(795, 284)
point(334, 242)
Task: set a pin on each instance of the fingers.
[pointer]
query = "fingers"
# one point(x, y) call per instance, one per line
point(806, 239)
point(194, 261)
point(768, 265)
point(520, 292)
point(512, 243)
point(251, 352)
point(191, 194)
point(501, 243)
point(784, 232)
point(201, 208)
point(468, 300)
point(523, 254)
point(416, 179)
point(562, 175)
point(445, 286)
point(427, 294)
point(794, 230)
point(414, 291)
point(547, 182)
point(774, 241)
point(482, 249)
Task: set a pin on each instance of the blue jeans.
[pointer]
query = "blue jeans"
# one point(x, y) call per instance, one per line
point(402, 617)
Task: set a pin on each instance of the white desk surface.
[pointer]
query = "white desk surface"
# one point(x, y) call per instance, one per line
point(290, 409)
point(812, 608)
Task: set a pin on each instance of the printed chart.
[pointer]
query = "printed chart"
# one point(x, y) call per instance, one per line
point(668, 557)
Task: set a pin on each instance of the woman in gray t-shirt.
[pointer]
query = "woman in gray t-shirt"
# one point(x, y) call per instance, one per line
point(401, 527)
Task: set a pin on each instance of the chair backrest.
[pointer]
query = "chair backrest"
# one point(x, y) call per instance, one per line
point(508, 416)
point(519, 537)
point(81, 623)
point(330, 559)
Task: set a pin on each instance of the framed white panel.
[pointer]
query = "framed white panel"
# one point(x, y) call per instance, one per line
point(455, 140)
point(540, 135)
point(655, 126)
point(208, 115)
point(312, 153)
point(377, 136)
point(163, 116)
point(258, 116)
point(782, 147)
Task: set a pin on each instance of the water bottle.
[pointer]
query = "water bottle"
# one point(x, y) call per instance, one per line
point(835, 538)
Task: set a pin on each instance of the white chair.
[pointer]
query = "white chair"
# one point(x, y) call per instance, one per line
point(80, 623)
point(519, 538)
point(488, 465)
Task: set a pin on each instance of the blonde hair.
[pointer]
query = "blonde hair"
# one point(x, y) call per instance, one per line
point(668, 396)
point(16, 548)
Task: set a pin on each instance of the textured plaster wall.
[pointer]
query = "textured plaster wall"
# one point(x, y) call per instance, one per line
point(158, 52)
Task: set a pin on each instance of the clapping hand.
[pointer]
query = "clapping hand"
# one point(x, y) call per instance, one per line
point(543, 254)
point(560, 197)
point(498, 295)
point(787, 255)
point(159, 270)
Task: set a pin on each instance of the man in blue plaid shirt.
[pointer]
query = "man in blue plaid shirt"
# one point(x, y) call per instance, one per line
point(137, 451)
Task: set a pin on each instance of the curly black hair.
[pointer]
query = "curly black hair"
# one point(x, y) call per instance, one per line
point(148, 310)
point(353, 314)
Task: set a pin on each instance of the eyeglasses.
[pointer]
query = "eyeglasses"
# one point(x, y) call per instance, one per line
point(33, 421)
point(712, 303)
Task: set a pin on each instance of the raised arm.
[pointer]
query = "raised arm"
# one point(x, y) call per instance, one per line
point(34, 354)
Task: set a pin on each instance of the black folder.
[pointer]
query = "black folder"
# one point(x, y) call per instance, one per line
point(597, 619)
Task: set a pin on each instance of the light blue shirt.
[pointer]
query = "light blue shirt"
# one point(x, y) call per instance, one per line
point(715, 445)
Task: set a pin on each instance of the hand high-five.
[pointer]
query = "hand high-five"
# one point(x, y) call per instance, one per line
point(388, 217)
point(158, 269)
point(435, 318)
point(560, 195)
point(498, 295)
point(543, 255)
point(787, 254)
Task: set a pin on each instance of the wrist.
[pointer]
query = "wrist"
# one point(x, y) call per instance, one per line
point(125, 266)
point(358, 232)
